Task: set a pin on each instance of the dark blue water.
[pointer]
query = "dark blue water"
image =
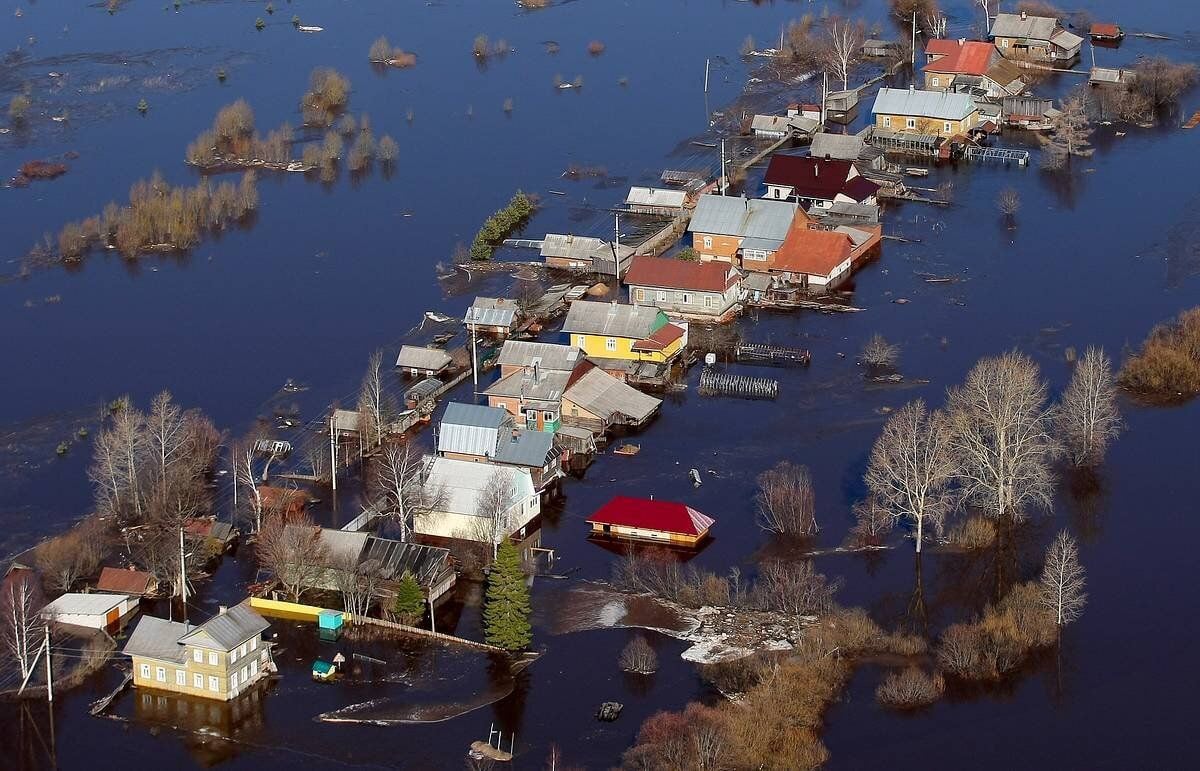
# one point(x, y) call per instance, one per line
point(326, 274)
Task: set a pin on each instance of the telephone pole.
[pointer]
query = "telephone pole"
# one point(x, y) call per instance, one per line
point(49, 673)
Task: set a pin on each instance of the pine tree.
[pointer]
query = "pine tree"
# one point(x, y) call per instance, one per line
point(506, 606)
point(410, 600)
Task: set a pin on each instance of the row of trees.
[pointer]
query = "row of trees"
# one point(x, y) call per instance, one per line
point(497, 227)
point(994, 446)
point(160, 216)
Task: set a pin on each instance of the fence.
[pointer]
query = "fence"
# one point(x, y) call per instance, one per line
point(714, 383)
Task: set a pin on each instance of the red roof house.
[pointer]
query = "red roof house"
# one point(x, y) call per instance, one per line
point(1104, 31)
point(683, 287)
point(816, 181)
point(645, 519)
point(121, 581)
point(814, 256)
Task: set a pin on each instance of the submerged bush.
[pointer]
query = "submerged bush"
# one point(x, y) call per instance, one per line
point(911, 688)
point(639, 657)
point(1168, 364)
point(974, 533)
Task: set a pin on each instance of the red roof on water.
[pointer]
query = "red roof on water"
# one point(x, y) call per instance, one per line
point(123, 581)
point(815, 252)
point(662, 337)
point(1105, 30)
point(970, 57)
point(669, 273)
point(650, 514)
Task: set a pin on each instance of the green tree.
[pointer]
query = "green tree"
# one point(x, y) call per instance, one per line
point(409, 606)
point(506, 605)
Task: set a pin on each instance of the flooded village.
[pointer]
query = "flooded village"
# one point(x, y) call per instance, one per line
point(585, 385)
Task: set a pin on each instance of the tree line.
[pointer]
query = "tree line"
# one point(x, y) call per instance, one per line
point(498, 226)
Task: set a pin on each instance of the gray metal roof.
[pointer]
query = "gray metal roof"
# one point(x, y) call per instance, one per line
point(570, 247)
point(1031, 27)
point(342, 547)
point(395, 558)
point(229, 629)
point(602, 394)
point(524, 448)
point(548, 387)
point(939, 105)
point(548, 356)
point(157, 638)
point(470, 429)
point(345, 420)
point(491, 312)
point(842, 147)
point(420, 357)
point(76, 603)
point(757, 282)
point(865, 212)
point(654, 196)
point(462, 480)
point(612, 319)
point(746, 217)
point(764, 244)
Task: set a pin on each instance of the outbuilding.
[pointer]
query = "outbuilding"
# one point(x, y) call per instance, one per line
point(645, 519)
point(419, 361)
point(94, 611)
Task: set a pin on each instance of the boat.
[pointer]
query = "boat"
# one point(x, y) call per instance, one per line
point(628, 449)
point(309, 28)
point(440, 318)
point(914, 171)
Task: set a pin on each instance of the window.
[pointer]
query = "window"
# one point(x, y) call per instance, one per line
point(611, 343)
point(1004, 43)
point(887, 121)
point(641, 295)
point(547, 416)
point(709, 301)
point(946, 127)
point(244, 648)
point(579, 341)
point(685, 298)
point(910, 123)
point(244, 678)
point(233, 654)
point(197, 680)
point(198, 656)
point(934, 81)
point(662, 296)
point(253, 668)
point(160, 674)
point(708, 242)
point(253, 643)
point(776, 191)
point(233, 681)
point(180, 677)
point(212, 658)
point(146, 671)
point(214, 684)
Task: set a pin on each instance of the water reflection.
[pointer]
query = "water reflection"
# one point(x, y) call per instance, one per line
point(209, 728)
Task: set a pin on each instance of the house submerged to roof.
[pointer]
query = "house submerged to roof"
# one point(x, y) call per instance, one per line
point(644, 519)
point(584, 253)
point(491, 315)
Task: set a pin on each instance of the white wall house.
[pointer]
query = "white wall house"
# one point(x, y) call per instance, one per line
point(457, 485)
point(95, 611)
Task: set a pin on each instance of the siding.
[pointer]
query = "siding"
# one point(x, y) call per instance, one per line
point(678, 301)
point(596, 345)
point(641, 534)
point(931, 126)
point(191, 668)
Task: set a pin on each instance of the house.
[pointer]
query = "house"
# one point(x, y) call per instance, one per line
point(734, 229)
point(876, 48)
point(779, 126)
point(136, 583)
point(519, 355)
point(972, 67)
point(488, 435)
point(816, 182)
point(645, 519)
point(1027, 112)
point(656, 201)
point(814, 258)
point(94, 611)
point(457, 488)
point(1101, 32)
point(1109, 76)
point(842, 106)
point(598, 401)
point(708, 290)
point(1034, 38)
point(931, 113)
point(628, 332)
point(419, 361)
point(531, 395)
point(387, 561)
point(492, 316)
point(218, 659)
point(215, 536)
point(845, 214)
point(584, 253)
point(847, 147)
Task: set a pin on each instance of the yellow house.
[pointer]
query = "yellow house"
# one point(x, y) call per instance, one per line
point(627, 332)
point(218, 659)
point(932, 113)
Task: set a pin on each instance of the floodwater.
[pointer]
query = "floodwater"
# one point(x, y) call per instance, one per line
point(326, 273)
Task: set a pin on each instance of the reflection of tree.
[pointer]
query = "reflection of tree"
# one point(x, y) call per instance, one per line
point(1087, 501)
point(918, 614)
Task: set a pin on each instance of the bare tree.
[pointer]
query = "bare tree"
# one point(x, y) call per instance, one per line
point(247, 479)
point(872, 521)
point(912, 467)
point(1000, 437)
point(292, 551)
point(20, 622)
point(165, 429)
point(374, 405)
point(358, 582)
point(1160, 82)
point(1072, 132)
point(1009, 203)
point(879, 353)
point(1063, 580)
point(398, 483)
point(492, 520)
point(639, 657)
point(73, 555)
point(845, 47)
point(785, 500)
point(989, 8)
point(1087, 418)
point(794, 588)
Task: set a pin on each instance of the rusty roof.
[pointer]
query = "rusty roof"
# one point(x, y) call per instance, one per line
point(965, 57)
point(815, 252)
point(670, 273)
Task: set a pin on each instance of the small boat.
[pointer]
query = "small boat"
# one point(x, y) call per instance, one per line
point(913, 171)
point(310, 28)
point(440, 318)
point(628, 449)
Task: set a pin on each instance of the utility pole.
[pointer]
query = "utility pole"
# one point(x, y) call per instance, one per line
point(724, 181)
point(824, 96)
point(474, 362)
point(49, 673)
point(706, 61)
point(333, 447)
point(432, 622)
point(183, 577)
point(1092, 48)
point(913, 52)
point(617, 252)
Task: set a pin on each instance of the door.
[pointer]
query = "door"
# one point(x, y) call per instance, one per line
point(113, 616)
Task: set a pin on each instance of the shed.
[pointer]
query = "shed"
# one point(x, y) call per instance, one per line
point(491, 315)
point(422, 391)
point(1106, 31)
point(646, 519)
point(419, 360)
point(598, 400)
point(652, 200)
point(137, 583)
point(330, 619)
point(879, 48)
point(94, 611)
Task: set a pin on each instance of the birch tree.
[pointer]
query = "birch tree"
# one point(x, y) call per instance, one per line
point(1000, 437)
point(912, 467)
point(20, 621)
point(167, 436)
point(373, 403)
point(845, 47)
point(1063, 580)
point(492, 521)
point(357, 582)
point(1088, 419)
point(398, 484)
point(246, 478)
point(128, 443)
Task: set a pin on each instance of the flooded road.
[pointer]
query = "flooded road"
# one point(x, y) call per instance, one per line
point(327, 273)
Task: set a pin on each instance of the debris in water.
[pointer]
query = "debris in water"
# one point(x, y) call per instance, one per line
point(695, 476)
point(609, 711)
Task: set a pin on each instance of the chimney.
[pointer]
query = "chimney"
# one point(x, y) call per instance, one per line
point(962, 41)
point(222, 610)
point(537, 372)
point(1022, 16)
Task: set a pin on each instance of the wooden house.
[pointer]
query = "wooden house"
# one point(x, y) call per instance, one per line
point(816, 182)
point(643, 519)
point(1102, 32)
point(971, 67)
point(521, 355)
point(878, 49)
point(137, 583)
point(739, 230)
point(456, 487)
point(627, 332)
point(532, 395)
point(420, 361)
point(1026, 37)
point(285, 501)
point(94, 611)
point(655, 201)
point(584, 253)
point(703, 290)
point(495, 316)
point(488, 434)
point(848, 147)
point(927, 113)
point(387, 560)
point(218, 659)
point(598, 401)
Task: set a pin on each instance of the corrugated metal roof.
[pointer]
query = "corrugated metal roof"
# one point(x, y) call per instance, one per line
point(420, 357)
point(342, 547)
point(229, 629)
point(842, 147)
point(654, 196)
point(1031, 27)
point(612, 319)
point(746, 217)
point(925, 104)
point(491, 312)
point(135, 582)
point(157, 638)
point(665, 516)
point(462, 481)
point(395, 558)
point(524, 448)
point(77, 603)
point(670, 273)
point(571, 247)
point(549, 356)
point(602, 394)
point(470, 429)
